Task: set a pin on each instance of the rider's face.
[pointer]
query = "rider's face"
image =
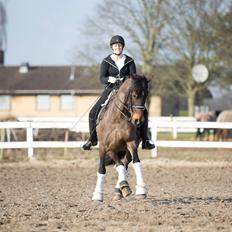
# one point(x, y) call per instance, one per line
point(117, 48)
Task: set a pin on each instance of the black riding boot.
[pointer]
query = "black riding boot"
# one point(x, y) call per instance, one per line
point(146, 142)
point(92, 141)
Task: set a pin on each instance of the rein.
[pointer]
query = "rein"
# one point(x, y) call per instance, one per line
point(125, 111)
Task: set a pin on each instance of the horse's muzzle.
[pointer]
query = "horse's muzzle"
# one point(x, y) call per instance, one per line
point(137, 118)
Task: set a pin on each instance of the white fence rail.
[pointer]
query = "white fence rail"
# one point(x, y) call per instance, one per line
point(178, 126)
point(82, 126)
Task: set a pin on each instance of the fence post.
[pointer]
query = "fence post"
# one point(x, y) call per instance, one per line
point(174, 129)
point(154, 138)
point(2, 139)
point(30, 151)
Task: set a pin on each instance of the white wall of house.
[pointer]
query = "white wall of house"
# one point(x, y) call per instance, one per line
point(33, 106)
point(27, 106)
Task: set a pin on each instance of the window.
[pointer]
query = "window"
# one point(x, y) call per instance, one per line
point(43, 102)
point(5, 102)
point(66, 102)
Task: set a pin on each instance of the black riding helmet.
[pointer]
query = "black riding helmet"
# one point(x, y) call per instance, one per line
point(117, 39)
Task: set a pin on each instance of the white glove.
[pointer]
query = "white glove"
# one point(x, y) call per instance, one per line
point(112, 79)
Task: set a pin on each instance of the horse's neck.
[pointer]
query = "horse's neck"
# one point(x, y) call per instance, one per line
point(123, 92)
point(120, 98)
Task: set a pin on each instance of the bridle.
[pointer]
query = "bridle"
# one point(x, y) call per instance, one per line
point(127, 109)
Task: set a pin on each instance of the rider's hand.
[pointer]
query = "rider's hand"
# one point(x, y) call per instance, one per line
point(112, 79)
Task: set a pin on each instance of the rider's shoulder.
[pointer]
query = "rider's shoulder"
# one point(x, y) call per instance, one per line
point(107, 59)
point(128, 58)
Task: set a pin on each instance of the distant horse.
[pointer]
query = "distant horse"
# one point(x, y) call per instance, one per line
point(118, 131)
point(224, 116)
point(204, 133)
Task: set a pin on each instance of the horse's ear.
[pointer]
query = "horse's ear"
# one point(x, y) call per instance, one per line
point(150, 77)
point(133, 75)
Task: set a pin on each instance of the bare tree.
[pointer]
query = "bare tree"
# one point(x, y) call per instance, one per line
point(141, 22)
point(221, 25)
point(171, 36)
point(3, 21)
point(193, 43)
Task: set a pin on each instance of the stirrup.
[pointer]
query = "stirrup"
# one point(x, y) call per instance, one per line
point(87, 145)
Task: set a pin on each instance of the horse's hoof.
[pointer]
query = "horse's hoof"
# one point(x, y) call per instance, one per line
point(97, 196)
point(117, 194)
point(141, 190)
point(140, 196)
point(125, 189)
point(117, 197)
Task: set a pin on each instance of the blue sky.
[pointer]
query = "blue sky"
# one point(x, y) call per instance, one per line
point(45, 32)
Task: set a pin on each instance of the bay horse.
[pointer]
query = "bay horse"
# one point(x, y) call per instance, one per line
point(118, 131)
point(204, 133)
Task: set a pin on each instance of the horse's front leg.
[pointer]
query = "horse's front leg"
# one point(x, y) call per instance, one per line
point(98, 192)
point(127, 159)
point(122, 188)
point(141, 190)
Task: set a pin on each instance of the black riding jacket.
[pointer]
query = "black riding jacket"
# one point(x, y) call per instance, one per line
point(109, 68)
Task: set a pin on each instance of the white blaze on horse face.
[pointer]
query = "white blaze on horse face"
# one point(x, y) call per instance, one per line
point(121, 173)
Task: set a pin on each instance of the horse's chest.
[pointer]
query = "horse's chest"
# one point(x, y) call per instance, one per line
point(117, 131)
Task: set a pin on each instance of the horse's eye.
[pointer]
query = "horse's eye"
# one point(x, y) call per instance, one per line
point(134, 95)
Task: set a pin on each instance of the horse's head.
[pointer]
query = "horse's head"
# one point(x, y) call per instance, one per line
point(136, 87)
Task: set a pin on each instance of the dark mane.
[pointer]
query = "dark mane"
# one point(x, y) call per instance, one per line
point(140, 83)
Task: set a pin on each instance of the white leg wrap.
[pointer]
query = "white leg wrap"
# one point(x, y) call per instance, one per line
point(138, 172)
point(98, 193)
point(118, 182)
point(127, 173)
point(140, 190)
point(141, 186)
point(121, 173)
point(97, 196)
point(117, 185)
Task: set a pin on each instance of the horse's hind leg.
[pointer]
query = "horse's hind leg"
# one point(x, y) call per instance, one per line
point(198, 134)
point(224, 134)
point(219, 134)
point(98, 192)
point(214, 134)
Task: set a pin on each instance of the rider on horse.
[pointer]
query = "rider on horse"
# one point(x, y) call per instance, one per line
point(113, 68)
